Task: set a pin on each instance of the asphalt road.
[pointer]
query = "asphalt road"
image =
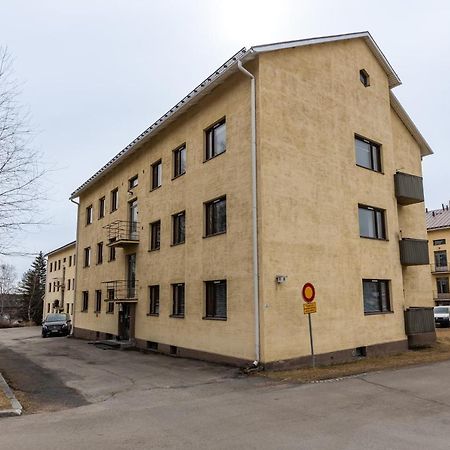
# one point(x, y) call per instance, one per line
point(137, 401)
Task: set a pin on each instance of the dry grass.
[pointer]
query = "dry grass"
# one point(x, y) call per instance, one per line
point(439, 352)
point(5, 403)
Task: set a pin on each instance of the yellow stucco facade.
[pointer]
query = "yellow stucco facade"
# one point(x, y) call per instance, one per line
point(60, 280)
point(310, 105)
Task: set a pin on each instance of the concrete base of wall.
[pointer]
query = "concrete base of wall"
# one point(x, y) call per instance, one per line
point(420, 340)
point(341, 356)
point(324, 359)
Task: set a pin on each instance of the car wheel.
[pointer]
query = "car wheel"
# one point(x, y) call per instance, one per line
point(44, 335)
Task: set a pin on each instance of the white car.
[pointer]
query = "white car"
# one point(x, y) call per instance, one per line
point(442, 316)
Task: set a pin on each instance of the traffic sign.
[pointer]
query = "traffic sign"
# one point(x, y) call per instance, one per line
point(309, 308)
point(308, 292)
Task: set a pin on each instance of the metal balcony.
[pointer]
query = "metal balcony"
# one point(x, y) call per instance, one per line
point(441, 295)
point(120, 291)
point(122, 233)
point(408, 188)
point(439, 269)
point(414, 252)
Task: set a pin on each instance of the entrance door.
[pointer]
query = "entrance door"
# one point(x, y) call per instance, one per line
point(124, 321)
point(133, 219)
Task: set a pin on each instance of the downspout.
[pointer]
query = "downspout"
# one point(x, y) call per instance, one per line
point(76, 268)
point(254, 215)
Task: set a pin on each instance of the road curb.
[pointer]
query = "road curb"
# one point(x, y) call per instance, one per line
point(16, 407)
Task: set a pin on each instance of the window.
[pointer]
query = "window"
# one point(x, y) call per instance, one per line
point(364, 78)
point(98, 301)
point(376, 296)
point(216, 299)
point(67, 308)
point(70, 260)
point(154, 300)
point(216, 216)
point(100, 253)
point(49, 287)
point(110, 309)
point(112, 253)
point(71, 309)
point(368, 154)
point(68, 284)
point(178, 300)
point(101, 207)
point(89, 215)
point(87, 256)
point(59, 264)
point(442, 285)
point(48, 307)
point(85, 304)
point(51, 267)
point(74, 260)
point(435, 242)
point(133, 182)
point(179, 161)
point(156, 174)
point(179, 224)
point(114, 199)
point(64, 260)
point(155, 235)
point(371, 222)
point(216, 139)
point(440, 259)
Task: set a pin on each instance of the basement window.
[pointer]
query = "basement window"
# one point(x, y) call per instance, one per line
point(364, 78)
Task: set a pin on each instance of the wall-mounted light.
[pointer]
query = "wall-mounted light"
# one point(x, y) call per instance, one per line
point(280, 278)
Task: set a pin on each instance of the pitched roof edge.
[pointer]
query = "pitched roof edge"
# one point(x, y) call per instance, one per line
point(59, 249)
point(425, 149)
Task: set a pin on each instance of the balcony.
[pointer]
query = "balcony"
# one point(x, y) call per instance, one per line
point(122, 233)
point(408, 188)
point(121, 291)
point(439, 269)
point(414, 252)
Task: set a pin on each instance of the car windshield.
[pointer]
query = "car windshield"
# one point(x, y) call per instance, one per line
point(441, 310)
point(55, 318)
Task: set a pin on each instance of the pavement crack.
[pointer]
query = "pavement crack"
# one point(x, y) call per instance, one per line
point(405, 392)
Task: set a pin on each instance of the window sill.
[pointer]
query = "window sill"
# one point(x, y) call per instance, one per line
point(176, 316)
point(178, 243)
point(377, 313)
point(374, 238)
point(178, 176)
point(220, 319)
point(372, 170)
point(84, 311)
point(113, 210)
point(154, 250)
point(214, 234)
point(111, 260)
point(152, 315)
point(215, 156)
point(155, 188)
point(109, 312)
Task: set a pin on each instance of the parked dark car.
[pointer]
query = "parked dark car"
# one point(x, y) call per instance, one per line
point(56, 324)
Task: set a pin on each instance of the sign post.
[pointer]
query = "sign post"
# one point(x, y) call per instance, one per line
point(310, 307)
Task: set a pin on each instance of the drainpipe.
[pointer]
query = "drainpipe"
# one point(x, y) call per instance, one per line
point(254, 215)
point(76, 268)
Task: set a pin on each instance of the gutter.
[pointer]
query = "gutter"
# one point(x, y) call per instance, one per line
point(254, 215)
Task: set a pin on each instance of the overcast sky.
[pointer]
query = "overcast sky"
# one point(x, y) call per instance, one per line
point(96, 73)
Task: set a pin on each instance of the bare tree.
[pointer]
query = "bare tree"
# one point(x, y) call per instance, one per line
point(7, 283)
point(20, 171)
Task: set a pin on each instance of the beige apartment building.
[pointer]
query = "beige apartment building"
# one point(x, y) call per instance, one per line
point(438, 226)
point(292, 163)
point(60, 280)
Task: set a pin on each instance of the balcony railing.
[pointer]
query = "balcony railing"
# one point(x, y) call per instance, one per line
point(408, 188)
point(121, 290)
point(414, 252)
point(439, 269)
point(122, 233)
